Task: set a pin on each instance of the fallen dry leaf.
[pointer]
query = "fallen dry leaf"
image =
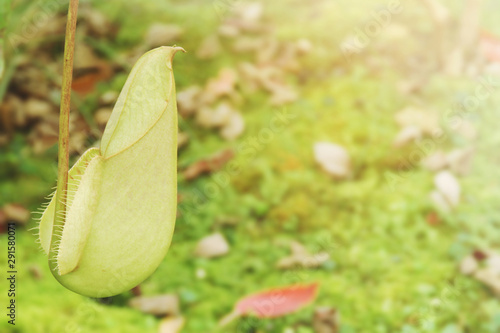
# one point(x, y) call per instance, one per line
point(468, 35)
point(44, 134)
point(212, 246)
point(108, 98)
point(245, 17)
point(234, 127)
point(267, 52)
point(211, 164)
point(3, 221)
point(171, 325)
point(188, 100)
point(79, 131)
point(12, 113)
point(78, 143)
point(304, 46)
point(97, 22)
point(249, 77)
point(448, 185)
point(407, 135)
point(222, 85)
point(247, 44)
point(271, 78)
point(447, 193)
point(439, 13)
point(282, 94)
point(436, 161)
point(36, 108)
point(489, 45)
point(30, 81)
point(210, 118)
point(228, 30)
point(433, 219)
point(209, 47)
point(53, 27)
point(87, 78)
point(468, 265)
point(300, 257)
point(4, 139)
point(35, 271)
point(490, 277)
point(101, 116)
point(466, 129)
point(136, 291)
point(249, 11)
point(439, 201)
point(40, 145)
point(273, 303)
point(160, 305)
point(182, 139)
point(85, 57)
point(333, 159)
point(460, 160)
point(441, 18)
point(89, 69)
point(287, 58)
point(17, 213)
point(486, 270)
point(481, 255)
point(326, 320)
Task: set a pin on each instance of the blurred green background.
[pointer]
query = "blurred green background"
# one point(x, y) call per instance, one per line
point(402, 196)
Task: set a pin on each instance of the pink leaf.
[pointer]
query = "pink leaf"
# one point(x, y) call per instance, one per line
point(277, 302)
point(490, 46)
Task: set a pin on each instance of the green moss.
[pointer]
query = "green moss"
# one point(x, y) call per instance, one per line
point(388, 265)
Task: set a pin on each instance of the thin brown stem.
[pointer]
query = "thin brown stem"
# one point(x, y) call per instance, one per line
point(63, 152)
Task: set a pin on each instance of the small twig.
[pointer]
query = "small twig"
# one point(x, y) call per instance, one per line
point(63, 152)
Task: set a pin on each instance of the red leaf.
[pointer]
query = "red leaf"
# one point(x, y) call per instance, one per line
point(86, 79)
point(490, 46)
point(479, 255)
point(433, 219)
point(277, 302)
point(211, 164)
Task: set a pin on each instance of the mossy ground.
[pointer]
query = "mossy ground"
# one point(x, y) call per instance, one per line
point(389, 266)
